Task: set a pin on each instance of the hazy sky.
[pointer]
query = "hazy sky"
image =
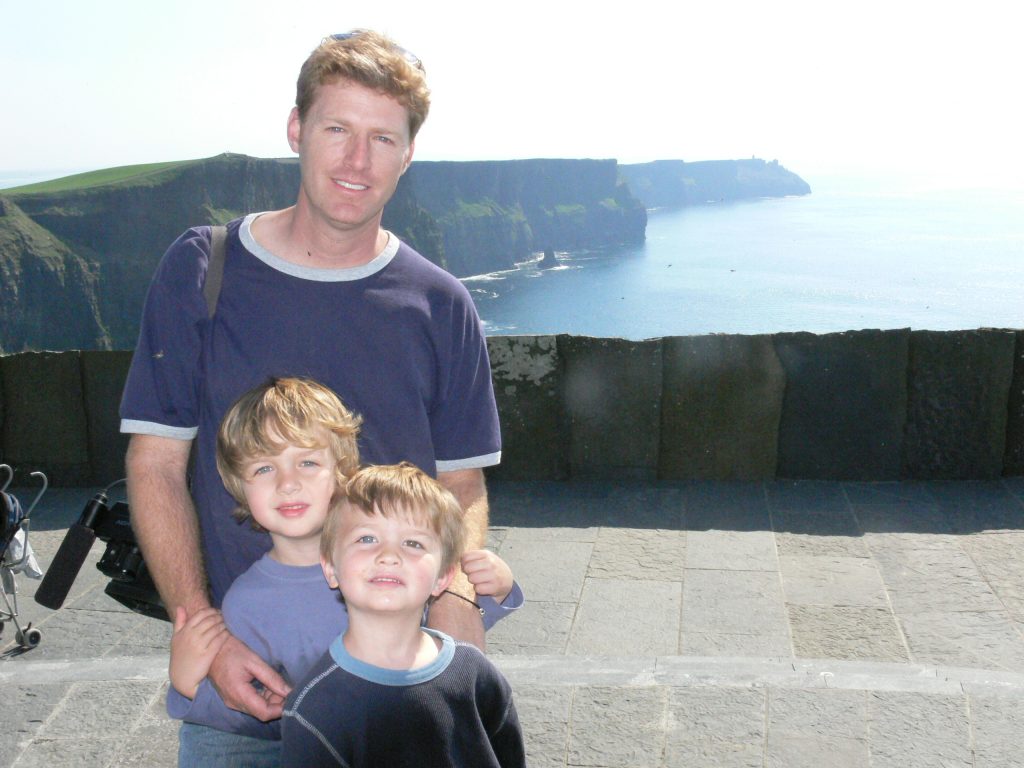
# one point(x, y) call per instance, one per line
point(821, 86)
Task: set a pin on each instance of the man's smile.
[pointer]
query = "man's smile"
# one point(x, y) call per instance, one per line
point(351, 185)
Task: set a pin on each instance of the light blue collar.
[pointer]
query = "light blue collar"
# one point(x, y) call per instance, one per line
point(395, 677)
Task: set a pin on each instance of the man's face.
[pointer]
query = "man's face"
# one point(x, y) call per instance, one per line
point(353, 147)
point(385, 564)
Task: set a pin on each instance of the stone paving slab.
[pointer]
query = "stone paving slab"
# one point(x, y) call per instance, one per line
point(693, 623)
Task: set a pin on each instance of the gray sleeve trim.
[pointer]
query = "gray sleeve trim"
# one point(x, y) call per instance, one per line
point(474, 462)
point(131, 426)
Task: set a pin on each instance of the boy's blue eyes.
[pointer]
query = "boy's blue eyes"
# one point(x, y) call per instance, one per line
point(305, 463)
point(368, 539)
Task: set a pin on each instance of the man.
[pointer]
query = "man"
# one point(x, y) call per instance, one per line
point(317, 290)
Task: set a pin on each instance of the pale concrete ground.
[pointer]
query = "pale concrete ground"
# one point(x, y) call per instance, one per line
point(704, 624)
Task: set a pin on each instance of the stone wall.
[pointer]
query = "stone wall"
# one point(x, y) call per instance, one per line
point(860, 405)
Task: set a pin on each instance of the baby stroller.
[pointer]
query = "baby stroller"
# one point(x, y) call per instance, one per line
point(16, 557)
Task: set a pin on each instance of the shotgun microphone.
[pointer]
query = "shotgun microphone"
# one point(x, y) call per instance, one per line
point(69, 558)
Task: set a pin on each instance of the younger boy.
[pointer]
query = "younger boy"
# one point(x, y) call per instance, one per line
point(284, 450)
point(389, 691)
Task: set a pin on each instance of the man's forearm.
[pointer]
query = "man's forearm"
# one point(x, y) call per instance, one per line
point(470, 490)
point(164, 521)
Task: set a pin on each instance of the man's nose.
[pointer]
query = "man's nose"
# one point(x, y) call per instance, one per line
point(357, 152)
point(389, 553)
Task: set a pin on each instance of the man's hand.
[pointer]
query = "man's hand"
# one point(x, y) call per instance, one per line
point(454, 616)
point(196, 641)
point(232, 674)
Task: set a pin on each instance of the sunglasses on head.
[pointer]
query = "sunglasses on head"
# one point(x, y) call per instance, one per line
point(410, 57)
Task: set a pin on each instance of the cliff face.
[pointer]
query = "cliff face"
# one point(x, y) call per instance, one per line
point(47, 293)
point(494, 213)
point(107, 237)
point(666, 183)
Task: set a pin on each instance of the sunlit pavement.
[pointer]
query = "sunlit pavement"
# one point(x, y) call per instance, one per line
point(704, 624)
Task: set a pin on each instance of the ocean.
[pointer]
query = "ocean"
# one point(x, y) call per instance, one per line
point(851, 255)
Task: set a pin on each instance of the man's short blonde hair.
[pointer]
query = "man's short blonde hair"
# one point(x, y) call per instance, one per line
point(276, 414)
point(373, 61)
point(400, 490)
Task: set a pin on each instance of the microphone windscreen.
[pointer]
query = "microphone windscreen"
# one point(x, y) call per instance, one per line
point(65, 566)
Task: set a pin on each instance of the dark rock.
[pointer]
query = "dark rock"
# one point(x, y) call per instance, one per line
point(613, 403)
point(958, 391)
point(720, 408)
point(845, 406)
point(549, 260)
point(527, 386)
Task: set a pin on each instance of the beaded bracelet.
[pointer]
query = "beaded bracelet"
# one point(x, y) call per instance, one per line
point(474, 604)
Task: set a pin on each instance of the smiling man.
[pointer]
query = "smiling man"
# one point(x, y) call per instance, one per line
point(316, 290)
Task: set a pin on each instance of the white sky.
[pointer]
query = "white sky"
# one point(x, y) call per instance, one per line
point(824, 87)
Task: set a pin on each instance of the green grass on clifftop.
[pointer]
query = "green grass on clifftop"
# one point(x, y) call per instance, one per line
point(133, 175)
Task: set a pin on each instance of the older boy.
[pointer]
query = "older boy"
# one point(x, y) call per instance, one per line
point(389, 692)
point(284, 451)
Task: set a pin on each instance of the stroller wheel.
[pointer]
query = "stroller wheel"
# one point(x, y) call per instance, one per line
point(29, 638)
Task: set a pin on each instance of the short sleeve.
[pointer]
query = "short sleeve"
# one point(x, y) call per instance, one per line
point(464, 421)
point(161, 391)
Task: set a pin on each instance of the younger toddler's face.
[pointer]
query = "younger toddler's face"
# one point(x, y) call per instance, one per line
point(385, 564)
point(290, 492)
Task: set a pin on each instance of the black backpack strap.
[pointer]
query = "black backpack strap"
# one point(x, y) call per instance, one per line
point(215, 268)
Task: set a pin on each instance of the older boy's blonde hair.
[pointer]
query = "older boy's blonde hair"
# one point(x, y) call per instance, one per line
point(400, 490)
point(276, 414)
point(371, 60)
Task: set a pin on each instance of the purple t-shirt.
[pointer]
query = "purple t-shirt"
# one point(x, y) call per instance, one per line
point(398, 339)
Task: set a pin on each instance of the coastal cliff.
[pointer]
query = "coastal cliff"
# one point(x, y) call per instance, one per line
point(84, 248)
point(77, 254)
point(495, 213)
point(673, 183)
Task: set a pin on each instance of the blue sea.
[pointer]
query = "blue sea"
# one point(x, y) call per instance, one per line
point(851, 255)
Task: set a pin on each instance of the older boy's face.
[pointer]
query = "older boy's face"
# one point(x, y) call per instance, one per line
point(289, 494)
point(385, 564)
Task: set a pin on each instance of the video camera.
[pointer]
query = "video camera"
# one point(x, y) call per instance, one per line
point(131, 585)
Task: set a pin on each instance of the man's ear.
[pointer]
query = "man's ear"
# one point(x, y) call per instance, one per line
point(443, 581)
point(294, 129)
point(332, 579)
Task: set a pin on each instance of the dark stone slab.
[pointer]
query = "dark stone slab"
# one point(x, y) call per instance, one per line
point(45, 427)
point(103, 376)
point(612, 396)
point(1013, 459)
point(527, 385)
point(720, 408)
point(845, 406)
point(958, 390)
